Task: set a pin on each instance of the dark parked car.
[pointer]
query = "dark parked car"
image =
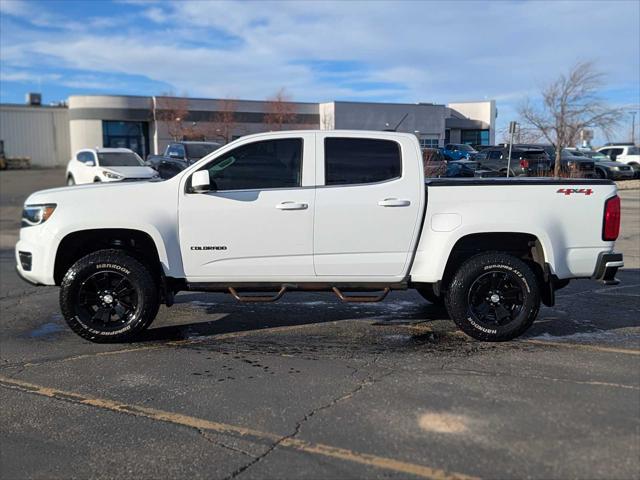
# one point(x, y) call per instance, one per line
point(605, 167)
point(179, 155)
point(525, 161)
point(569, 164)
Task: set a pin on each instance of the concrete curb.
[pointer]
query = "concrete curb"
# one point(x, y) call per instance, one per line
point(628, 185)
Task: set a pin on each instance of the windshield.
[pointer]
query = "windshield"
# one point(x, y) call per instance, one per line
point(466, 148)
point(119, 159)
point(196, 151)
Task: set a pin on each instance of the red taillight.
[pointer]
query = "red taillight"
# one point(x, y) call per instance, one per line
point(524, 163)
point(611, 225)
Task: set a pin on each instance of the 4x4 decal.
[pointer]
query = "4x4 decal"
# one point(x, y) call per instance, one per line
point(569, 191)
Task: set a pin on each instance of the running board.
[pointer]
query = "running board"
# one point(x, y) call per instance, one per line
point(361, 298)
point(257, 298)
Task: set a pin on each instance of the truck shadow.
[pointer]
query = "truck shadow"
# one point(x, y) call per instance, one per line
point(583, 310)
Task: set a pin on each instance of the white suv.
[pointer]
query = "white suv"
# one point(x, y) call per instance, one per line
point(107, 165)
point(625, 153)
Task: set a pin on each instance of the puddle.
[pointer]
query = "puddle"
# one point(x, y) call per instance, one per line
point(46, 330)
point(443, 423)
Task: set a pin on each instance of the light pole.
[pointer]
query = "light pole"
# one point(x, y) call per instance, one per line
point(633, 127)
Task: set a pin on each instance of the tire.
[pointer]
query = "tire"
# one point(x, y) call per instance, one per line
point(493, 297)
point(600, 173)
point(70, 180)
point(96, 180)
point(108, 296)
point(426, 291)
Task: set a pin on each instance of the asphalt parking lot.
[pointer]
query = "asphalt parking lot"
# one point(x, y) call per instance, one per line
point(312, 388)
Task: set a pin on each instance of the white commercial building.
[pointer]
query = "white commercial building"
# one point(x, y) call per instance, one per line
point(49, 135)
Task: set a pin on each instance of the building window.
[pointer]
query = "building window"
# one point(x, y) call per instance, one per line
point(475, 137)
point(429, 143)
point(132, 135)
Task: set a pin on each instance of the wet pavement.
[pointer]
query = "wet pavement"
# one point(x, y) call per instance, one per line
point(309, 387)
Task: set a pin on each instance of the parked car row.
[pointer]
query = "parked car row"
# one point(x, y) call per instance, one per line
point(615, 162)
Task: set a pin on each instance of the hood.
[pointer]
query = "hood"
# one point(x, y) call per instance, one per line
point(132, 172)
point(611, 163)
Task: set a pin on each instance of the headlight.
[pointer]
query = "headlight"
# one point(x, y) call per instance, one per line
point(113, 176)
point(37, 214)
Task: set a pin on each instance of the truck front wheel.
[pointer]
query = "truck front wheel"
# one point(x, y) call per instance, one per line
point(108, 296)
point(493, 297)
point(427, 292)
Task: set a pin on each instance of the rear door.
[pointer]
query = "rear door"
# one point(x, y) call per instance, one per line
point(256, 224)
point(369, 205)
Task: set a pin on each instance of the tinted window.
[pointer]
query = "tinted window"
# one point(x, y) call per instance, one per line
point(195, 151)
point(633, 151)
point(175, 151)
point(119, 159)
point(259, 165)
point(360, 160)
point(495, 154)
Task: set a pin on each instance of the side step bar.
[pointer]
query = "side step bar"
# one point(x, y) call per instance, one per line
point(361, 298)
point(274, 295)
point(257, 298)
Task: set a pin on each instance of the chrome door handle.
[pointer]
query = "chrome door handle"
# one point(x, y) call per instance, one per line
point(394, 202)
point(292, 206)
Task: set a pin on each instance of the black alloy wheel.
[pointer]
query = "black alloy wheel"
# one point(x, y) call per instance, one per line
point(107, 300)
point(495, 298)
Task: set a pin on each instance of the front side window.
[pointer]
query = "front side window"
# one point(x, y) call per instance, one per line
point(119, 159)
point(258, 165)
point(495, 154)
point(349, 161)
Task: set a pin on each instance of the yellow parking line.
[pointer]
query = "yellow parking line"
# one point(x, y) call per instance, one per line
point(580, 346)
point(223, 428)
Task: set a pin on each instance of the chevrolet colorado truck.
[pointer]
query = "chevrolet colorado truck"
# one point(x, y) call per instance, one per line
point(342, 211)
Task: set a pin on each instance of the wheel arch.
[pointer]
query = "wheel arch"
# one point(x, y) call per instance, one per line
point(140, 244)
point(526, 246)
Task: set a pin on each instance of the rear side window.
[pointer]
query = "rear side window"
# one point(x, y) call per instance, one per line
point(349, 161)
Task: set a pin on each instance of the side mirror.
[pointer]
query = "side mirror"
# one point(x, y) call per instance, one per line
point(90, 163)
point(200, 181)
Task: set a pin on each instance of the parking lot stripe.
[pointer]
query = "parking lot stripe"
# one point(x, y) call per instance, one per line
point(223, 428)
point(582, 346)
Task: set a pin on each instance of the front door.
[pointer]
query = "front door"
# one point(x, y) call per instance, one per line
point(256, 224)
point(368, 211)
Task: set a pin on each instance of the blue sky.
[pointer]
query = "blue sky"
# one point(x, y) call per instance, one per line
point(319, 51)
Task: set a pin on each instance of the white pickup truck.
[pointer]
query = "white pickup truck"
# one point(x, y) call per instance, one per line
point(342, 211)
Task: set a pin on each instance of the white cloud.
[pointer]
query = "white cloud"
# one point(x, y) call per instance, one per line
point(402, 51)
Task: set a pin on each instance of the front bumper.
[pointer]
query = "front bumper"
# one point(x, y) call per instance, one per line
point(607, 267)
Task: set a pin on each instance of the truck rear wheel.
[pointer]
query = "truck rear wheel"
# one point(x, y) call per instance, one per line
point(108, 296)
point(493, 297)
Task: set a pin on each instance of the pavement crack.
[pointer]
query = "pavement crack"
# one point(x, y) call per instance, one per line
point(365, 382)
point(218, 443)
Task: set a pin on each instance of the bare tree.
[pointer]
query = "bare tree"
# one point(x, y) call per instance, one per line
point(569, 105)
point(522, 135)
point(224, 120)
point(279, 111)
point(173, 111)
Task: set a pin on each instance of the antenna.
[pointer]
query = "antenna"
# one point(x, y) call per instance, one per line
point(395, 129)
